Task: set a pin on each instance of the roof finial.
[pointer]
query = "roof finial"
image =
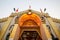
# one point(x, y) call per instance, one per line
point(14, 9)
point(44, 9)
point(41, 10)
point(29, 6)
point(17, 10)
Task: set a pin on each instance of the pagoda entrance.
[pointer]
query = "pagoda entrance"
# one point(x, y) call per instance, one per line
point(30, 27)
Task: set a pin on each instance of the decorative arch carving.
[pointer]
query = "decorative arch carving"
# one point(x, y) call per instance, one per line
point(29, 22)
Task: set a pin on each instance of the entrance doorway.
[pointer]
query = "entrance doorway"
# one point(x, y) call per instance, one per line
point(30, 35)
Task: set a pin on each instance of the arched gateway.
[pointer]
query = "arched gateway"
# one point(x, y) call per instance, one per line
point(30, 27)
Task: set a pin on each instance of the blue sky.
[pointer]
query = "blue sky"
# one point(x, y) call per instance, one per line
point(52, 6)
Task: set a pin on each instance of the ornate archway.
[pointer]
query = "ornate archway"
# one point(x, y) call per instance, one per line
point(26, 18)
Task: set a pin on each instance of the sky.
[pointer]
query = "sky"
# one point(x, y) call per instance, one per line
point(52, 6)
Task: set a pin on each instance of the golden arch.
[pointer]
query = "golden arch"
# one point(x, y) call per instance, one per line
point(26, 17)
